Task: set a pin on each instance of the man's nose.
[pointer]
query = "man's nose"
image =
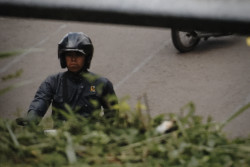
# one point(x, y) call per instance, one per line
point(73, 58)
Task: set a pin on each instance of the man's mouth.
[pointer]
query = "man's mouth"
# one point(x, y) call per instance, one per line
point(73, 65)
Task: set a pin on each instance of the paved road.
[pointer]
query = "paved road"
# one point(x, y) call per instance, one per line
point(137, 60)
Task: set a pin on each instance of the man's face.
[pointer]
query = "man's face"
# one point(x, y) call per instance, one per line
point(74, 61)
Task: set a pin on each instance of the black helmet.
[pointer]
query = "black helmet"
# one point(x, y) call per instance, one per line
point(76, 41)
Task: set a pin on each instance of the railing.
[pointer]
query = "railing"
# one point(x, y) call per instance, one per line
point(210, 15)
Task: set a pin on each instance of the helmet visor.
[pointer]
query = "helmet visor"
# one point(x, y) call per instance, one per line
point(74, 50)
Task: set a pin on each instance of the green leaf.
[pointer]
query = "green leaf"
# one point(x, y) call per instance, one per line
point(235, 115)
point(17, 74)
point(12, 135)
point(9, 54)
point(70, 151)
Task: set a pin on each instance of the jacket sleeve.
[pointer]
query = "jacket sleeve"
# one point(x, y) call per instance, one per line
point(42, 100)
point(109, 100)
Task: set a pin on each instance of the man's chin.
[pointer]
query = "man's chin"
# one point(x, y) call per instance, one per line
point(74, 69)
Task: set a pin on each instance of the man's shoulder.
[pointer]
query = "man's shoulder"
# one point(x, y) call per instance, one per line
point(93, 77)
point(56, 76)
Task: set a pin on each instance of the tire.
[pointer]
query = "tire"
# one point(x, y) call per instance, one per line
point(184, 41)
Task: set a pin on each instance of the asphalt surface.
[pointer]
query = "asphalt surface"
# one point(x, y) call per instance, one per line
point(138, 60)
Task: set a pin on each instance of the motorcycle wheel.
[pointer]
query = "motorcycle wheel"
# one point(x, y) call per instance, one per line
point(184, 41)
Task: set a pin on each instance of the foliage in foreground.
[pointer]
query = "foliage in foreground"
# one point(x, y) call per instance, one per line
point(128, 140)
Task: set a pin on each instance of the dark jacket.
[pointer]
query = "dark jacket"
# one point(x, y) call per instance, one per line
point(84, 93)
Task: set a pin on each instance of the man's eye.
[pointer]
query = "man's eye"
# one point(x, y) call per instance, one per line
point(78, 54)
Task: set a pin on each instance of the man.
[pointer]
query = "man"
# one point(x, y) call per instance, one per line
point(83, 91)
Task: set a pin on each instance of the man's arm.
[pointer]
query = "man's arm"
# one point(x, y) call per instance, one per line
point(41, 101)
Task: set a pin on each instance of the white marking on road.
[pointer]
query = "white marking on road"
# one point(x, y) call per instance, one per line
point(137, 68)
point(18, 58)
